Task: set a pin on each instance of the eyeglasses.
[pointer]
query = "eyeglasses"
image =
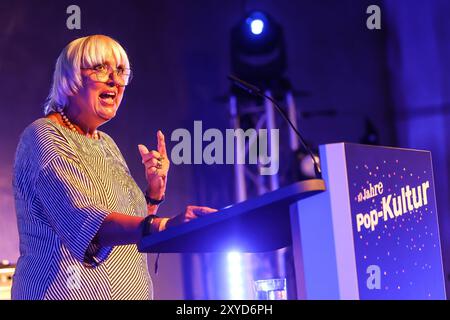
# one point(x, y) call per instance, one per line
point(101, 73)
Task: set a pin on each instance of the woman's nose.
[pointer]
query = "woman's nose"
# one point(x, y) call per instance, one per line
point(111, 80)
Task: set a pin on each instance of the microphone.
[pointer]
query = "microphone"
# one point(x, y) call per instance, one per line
point(252, 89)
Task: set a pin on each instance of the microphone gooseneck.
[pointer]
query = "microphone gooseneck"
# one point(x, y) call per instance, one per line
point(252, 89)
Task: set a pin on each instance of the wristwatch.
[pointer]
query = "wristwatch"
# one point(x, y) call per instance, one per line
point(146, 224)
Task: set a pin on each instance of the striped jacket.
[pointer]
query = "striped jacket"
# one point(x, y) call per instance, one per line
point(65, 184)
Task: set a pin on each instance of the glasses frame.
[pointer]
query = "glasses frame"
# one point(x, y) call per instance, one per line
point(106, 75)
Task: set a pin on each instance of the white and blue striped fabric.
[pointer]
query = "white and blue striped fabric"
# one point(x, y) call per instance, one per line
point(65, 184)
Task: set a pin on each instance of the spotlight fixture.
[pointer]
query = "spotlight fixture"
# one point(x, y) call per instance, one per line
point(256, 22)
point(258, 49)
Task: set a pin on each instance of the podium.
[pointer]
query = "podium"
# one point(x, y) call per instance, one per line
point(256, 225)
point(372, 233)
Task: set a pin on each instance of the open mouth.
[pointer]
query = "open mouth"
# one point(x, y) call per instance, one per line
point(108, 97)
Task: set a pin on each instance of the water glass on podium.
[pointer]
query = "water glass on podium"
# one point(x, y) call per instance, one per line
point(270, 289)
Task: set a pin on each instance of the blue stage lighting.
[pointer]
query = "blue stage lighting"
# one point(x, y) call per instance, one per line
point(257, 26)
point(257, 48)
point(256, 21)
point(235, 276)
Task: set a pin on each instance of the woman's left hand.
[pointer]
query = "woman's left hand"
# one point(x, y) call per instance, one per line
point(191, 212)
point(156, 165)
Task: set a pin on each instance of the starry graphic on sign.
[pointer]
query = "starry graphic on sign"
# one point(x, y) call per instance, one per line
point(394, 222)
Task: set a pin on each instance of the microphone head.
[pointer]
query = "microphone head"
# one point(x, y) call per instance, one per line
point(244, 85)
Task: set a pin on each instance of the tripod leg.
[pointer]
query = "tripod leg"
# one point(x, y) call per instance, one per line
point(239, 169)
point(292, 114)
point(271, 124)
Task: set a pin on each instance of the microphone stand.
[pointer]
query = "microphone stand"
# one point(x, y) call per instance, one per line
point(252, 89)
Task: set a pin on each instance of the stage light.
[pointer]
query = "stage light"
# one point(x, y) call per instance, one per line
point(257, 26)
point(235, 276)
point(256, 22)
point(257, 48)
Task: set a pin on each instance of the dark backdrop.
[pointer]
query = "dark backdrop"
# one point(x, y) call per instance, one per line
point(179, 51)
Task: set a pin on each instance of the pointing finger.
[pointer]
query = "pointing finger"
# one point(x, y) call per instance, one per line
point(161, 144)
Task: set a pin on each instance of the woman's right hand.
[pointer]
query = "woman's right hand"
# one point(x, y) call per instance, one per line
point(191, 212)
point(156, 165)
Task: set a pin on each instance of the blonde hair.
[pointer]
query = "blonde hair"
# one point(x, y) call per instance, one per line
point(83, 52)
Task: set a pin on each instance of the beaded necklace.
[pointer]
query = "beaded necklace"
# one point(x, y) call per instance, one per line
point(70, 125)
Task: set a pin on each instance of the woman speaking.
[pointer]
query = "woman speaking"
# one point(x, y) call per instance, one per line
point(79, 211)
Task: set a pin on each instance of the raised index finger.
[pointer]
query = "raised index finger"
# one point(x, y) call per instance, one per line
point(161, 144)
